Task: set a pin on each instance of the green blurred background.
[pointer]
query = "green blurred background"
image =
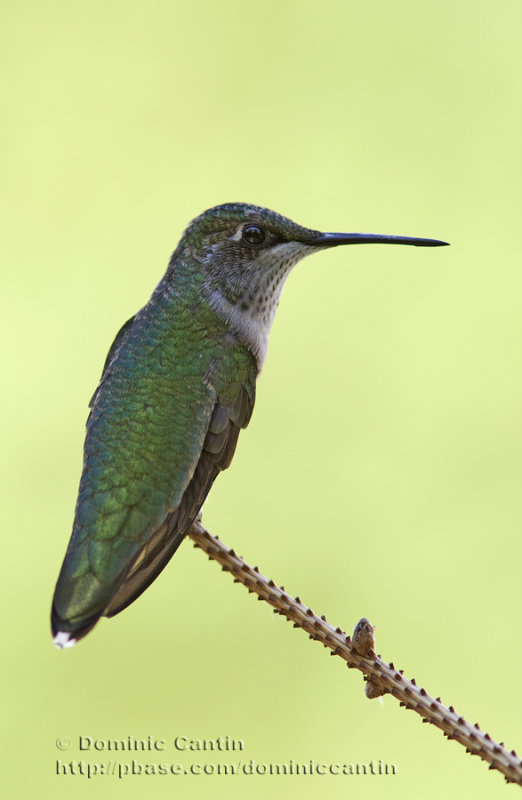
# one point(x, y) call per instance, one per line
point(380, 475)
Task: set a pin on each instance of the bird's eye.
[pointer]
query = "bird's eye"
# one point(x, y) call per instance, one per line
point(253, 234)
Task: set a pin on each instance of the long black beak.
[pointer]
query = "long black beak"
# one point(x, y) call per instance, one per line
point(333, 239)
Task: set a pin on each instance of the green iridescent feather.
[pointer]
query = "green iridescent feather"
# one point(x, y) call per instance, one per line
point(142, 452)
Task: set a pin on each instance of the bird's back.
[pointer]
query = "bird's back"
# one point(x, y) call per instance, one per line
point(174, 394)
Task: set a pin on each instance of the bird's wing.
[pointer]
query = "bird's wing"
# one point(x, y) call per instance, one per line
point(115, 346)
point(164, 422)
point(216, 455)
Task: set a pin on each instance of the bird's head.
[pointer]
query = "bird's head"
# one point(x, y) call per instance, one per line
point(245, 253)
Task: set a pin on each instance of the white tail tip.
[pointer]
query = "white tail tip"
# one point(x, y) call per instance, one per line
point(63, 639)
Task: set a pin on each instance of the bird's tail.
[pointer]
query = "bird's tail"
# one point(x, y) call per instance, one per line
point(79, 603)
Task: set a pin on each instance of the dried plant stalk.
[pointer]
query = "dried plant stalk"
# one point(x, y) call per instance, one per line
point(358, 652)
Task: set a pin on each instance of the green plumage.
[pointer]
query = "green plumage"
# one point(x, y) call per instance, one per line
point(167, 373)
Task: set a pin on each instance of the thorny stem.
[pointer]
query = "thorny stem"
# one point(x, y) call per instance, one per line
point(381, 678)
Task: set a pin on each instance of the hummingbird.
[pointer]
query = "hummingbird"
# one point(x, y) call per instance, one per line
point(177, 387)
